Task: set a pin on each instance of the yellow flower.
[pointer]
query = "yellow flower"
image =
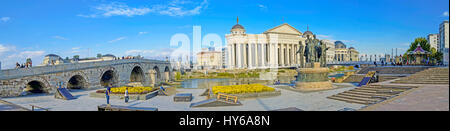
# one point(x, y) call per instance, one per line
point(237, 89)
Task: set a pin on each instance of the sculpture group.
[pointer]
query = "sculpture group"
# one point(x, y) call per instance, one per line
point(313, 71)
point(313, 51)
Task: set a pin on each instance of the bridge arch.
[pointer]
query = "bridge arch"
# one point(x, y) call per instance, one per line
point(137, 75)
point(158, 74)
point(37, 86)
point(77, 82)
point(109, 77)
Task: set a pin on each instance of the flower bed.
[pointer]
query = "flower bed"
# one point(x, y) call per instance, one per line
point(242, 89)
point(131, 90)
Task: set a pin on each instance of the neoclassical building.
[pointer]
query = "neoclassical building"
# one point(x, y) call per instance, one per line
point(275, 48)
point(344, 54)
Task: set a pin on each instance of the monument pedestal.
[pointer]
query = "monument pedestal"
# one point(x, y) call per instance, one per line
point(313, 79)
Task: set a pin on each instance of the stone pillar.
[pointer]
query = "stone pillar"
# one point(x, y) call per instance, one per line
point(282, 54)
point(230, 56)
point(152, 74)
point(166, 76)
point(273, 55)
point(256, 55)
point(295, 55)
point(263, 55)
point(288, 50)
point(250, 55)
point(238, 55)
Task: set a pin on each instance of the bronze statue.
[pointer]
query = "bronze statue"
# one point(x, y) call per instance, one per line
point(315, 51)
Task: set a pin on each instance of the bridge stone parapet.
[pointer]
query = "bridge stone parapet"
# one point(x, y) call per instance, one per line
point(13, 82)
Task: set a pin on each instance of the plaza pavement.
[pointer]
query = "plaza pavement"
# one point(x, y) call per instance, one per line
point(311, 101)
point(423, 98)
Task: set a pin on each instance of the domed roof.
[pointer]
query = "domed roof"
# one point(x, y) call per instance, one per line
point(339, 45)
point(351, 48)
point(308, 33)
point(51, 55)
point(237, 26)
point(108, 55)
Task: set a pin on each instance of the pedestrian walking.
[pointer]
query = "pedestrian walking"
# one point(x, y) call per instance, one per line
point(108, 93)
point(126, 95)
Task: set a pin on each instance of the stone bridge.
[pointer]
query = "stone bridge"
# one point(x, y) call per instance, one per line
point(89, 75)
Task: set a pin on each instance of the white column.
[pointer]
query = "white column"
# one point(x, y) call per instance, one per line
point(256, 55)
point(262, 55)
point(250, 55)
point(278, 54)
point(244, 51)
point(229, 56)
point(271, 58)
point(295, 55)
point(282, 54)
point(288, 54)
point(238, 55)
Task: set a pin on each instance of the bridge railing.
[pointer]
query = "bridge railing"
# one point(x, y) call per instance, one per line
point(39, 70)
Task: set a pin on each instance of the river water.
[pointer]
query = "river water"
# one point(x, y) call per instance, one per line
point(207, 83)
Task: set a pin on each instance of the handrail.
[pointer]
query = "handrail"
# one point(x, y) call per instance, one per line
point(33, 106)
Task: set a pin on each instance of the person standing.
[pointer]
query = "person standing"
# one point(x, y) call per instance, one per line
point(108, 93)
point(126, 95)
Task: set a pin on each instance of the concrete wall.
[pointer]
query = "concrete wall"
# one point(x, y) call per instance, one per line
point(14, 81)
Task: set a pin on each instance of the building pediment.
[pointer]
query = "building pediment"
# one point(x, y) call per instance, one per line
point(284, 29)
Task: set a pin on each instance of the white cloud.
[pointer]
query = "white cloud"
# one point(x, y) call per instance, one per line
point(262, 7)
point(4, 19)
point(27, 54)
point(117, 9)
point(137, 52)
point(152, 54)
point(76, 48)
point(178, 8)
point(60, 38)
point(445, 14)
point(174, 8)
point(117, 39)
point(4, 49)
point(141, 33)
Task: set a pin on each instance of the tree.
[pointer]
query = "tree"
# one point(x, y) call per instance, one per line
point(99, 55)
point(29, 60)
point(423, 43)
point(76, 57)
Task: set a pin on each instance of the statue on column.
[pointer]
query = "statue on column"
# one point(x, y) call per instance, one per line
point(301, 51)
point(323, 59)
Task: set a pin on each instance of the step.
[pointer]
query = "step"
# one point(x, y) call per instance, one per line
point(401, 82)
point(358, 98)
point(364, 96)
point(371, 94)
point(350, 100)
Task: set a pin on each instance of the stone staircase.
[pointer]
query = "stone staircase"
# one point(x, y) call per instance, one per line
point(369, 94)
point(387, 78)
point(394, 70)
point(428, 76)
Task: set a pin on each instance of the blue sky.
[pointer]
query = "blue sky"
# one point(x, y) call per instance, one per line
point(32, 29)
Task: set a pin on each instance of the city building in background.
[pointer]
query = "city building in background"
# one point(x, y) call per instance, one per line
point(433, 40)
point(342, 53)
point(208, 59)
point(443, 33)
point(331, 50)
point(224, 57)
